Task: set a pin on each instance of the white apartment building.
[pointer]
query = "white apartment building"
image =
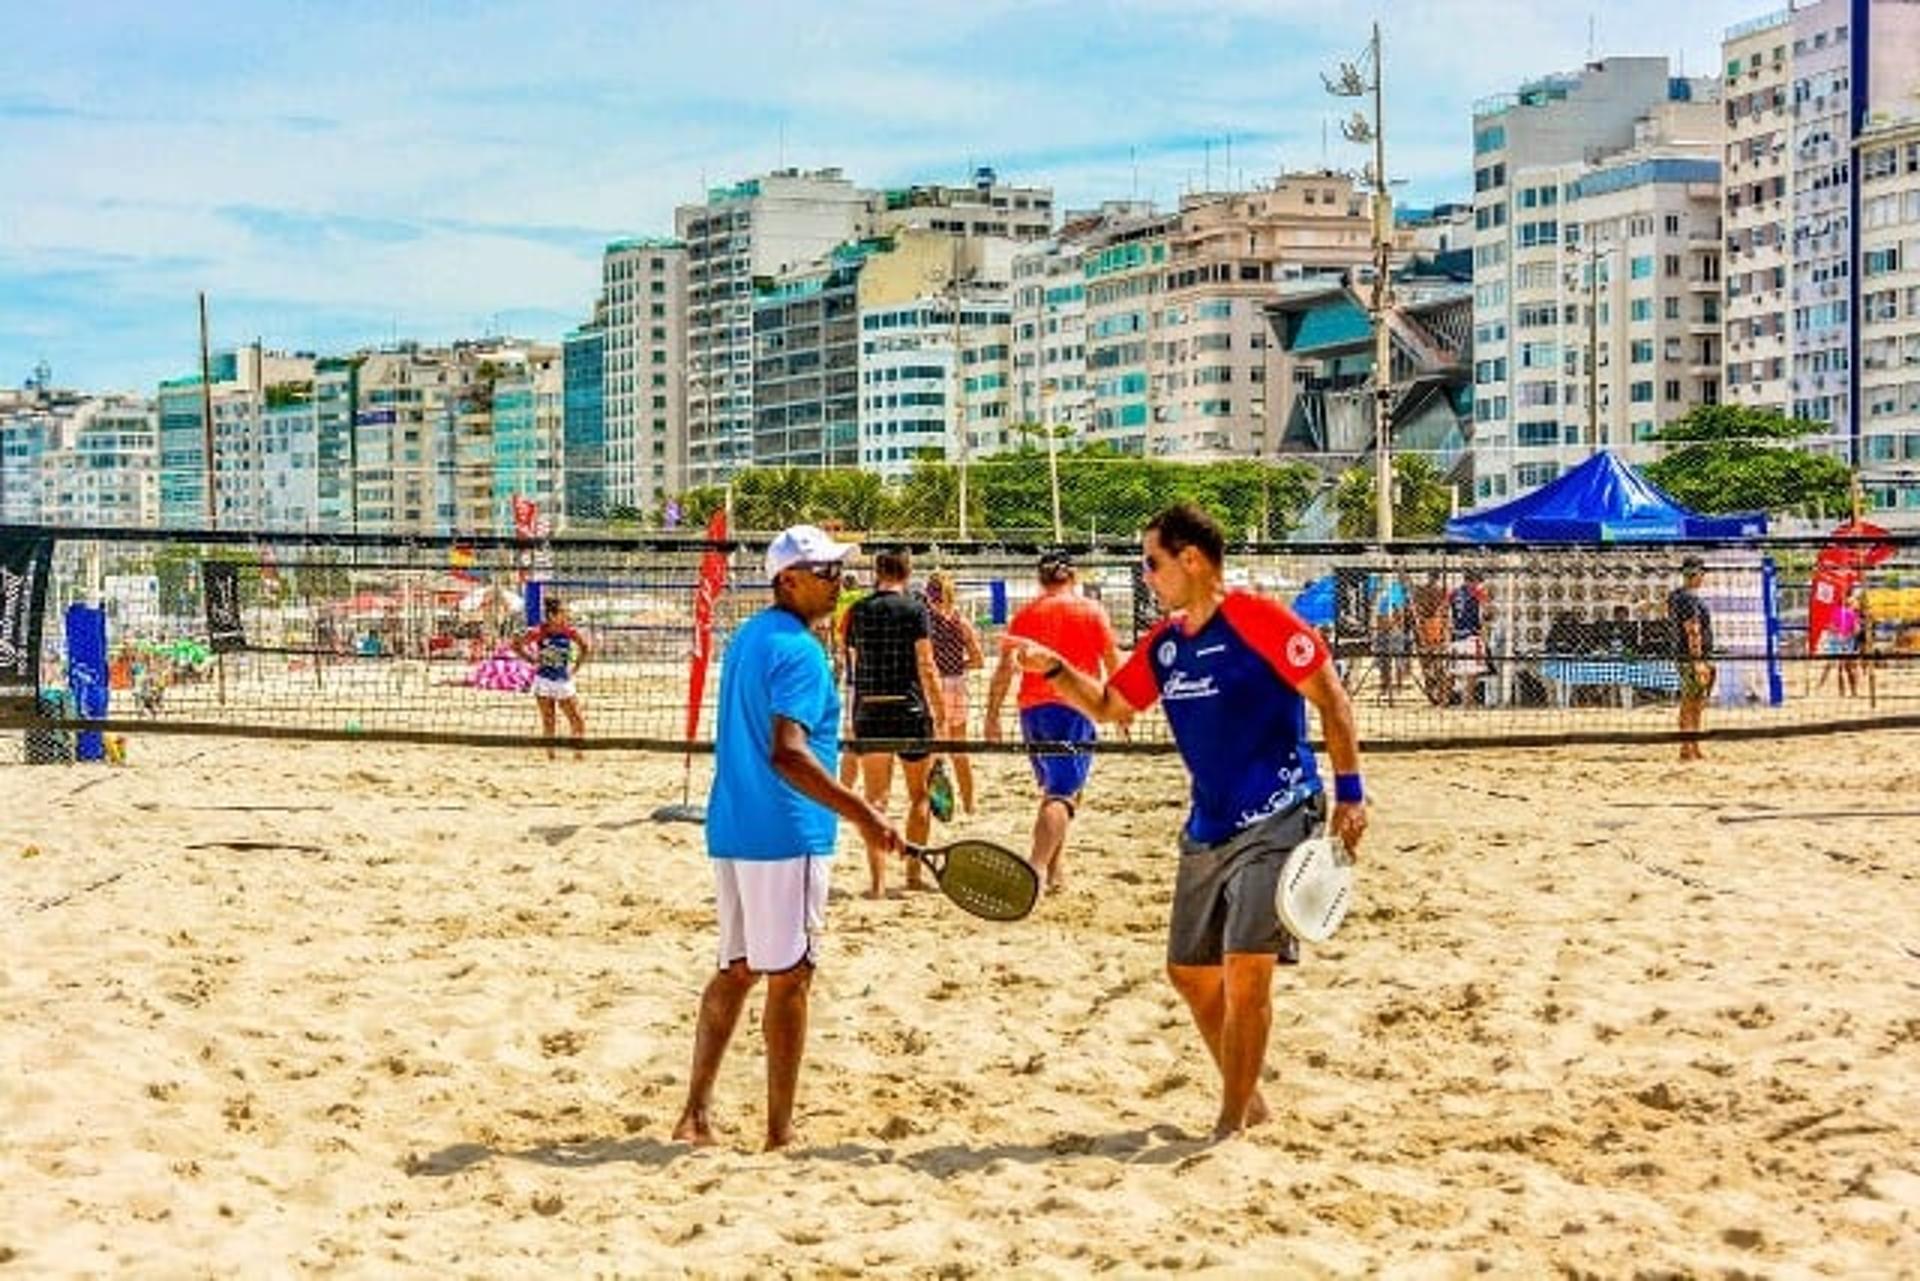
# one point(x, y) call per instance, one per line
point(932, 367)
point(1176, 327)
point(289, 476)
point(1889, 276)
point(643, 310)
point(113, 477)
point(988, 208)
point(760, 227)
point(1803, 83)
point(1532, 151)
point(1613, 287)
point(1050, 334)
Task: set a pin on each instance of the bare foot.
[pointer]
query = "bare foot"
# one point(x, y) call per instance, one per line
point(876, 892)
point(921, 887)
point(785, 1139)
point(695, 1127)
point(1256, 1113)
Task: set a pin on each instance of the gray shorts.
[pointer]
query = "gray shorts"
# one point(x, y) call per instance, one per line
point(1223, 896)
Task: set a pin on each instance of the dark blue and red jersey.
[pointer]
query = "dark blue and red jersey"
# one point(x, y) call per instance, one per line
point(1232, 695)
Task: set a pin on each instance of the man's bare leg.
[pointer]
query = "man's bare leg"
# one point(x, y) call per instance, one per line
point(1050, 826)
point(720, 1005)
point(1243, 1038)
point(785, 1027)
point(1205, 989)
point(576, 724)
point(546, 722)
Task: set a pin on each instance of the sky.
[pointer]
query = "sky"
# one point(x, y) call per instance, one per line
point(346, 174)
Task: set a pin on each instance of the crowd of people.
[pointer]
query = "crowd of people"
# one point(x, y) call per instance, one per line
point(1235, 673)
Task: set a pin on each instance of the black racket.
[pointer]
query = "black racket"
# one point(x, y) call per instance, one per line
point(985, 879)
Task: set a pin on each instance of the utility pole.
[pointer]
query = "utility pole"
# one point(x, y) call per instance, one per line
point(1353, 82)
point(206, 416)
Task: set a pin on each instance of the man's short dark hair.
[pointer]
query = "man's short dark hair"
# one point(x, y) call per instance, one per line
point(1056, 565)
point(1184, 525)
point(893, 565)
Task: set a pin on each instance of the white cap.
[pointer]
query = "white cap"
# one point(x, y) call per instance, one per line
point(803, 545)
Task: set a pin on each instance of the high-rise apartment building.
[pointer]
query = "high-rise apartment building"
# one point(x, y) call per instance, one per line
point(643, 336)
point(1050, 332)
point(113, 478)
point(584, 423)
point(989, 208)
point(1176, 328)
point(529, 443)
point(1629, 148)
point(806, 369)
point(1803, 84)
point(1889, 275)
point(758, 228)
point(239, 394)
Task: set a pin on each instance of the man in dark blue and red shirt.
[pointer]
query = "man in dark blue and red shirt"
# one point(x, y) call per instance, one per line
point(1235, 673)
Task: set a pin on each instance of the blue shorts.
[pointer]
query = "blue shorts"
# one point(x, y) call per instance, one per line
point(1064, 775)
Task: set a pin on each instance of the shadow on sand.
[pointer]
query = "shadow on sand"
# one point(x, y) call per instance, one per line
point(1158, 1145)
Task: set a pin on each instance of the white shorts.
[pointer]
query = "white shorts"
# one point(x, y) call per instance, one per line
point(558, 688)
point(772, 913)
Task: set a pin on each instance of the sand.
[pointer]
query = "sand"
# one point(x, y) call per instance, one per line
point(283, 1008)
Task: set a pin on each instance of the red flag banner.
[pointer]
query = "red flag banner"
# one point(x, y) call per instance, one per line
point(1857, 544)
point(1827, 604)
point(706, 595)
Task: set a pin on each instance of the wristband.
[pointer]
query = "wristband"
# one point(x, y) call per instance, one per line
point(1055, 670)
point(1347, 790)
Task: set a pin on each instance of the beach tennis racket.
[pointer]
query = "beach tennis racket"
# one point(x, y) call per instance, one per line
point(988, 880)
point(1316, 888)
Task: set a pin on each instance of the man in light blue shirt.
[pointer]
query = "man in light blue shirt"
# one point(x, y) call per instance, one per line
point(771, 825)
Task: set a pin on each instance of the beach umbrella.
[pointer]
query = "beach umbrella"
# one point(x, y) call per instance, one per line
point(1857, 544)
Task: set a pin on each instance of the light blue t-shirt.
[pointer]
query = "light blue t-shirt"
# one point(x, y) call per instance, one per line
point(773, 667)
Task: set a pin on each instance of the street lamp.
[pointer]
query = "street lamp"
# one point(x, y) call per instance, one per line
point(1365, 76)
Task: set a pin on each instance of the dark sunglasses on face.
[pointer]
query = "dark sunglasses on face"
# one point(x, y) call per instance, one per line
point(828, 571)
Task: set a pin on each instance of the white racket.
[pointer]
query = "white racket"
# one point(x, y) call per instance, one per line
point(1316, 888)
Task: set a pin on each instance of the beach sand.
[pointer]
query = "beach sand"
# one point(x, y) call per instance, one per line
point(283, 1008)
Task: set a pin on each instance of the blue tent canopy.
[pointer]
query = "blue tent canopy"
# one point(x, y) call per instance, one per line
point(1601, 501)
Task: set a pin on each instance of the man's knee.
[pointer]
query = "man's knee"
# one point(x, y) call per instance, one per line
point(790, 983)
point(1194, 981)
point(1249, 980)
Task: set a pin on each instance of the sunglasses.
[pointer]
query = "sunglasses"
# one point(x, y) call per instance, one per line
point(827, 570)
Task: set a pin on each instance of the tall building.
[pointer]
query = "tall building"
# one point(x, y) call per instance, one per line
point(935, 322)
point(1803, 85)
point(240, 382)
point(1176, 329)
point(1050, 333)
point(806, 369)
point(113, 476)
point(643, 360)
point(987, 208)
point(1889, 158)
point(529, 437)
point(757, 228)
point(1629, 147)
point(290, 474)
point(584, 423)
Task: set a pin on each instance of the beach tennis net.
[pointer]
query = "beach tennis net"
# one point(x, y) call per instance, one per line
point(114, 632)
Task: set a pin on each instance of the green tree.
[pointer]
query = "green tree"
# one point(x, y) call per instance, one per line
point(1730, 458)
point(1421, 502)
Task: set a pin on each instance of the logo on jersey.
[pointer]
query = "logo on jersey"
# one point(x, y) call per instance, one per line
point(1179, 685)
point(1167, 652)
point(1299, 650)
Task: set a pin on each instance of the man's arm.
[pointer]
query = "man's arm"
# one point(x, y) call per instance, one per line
point(929, 682)
point(795, 762)
point(1097, 698)
point(1324, 691)
point(997, 693)
point(585, 650)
